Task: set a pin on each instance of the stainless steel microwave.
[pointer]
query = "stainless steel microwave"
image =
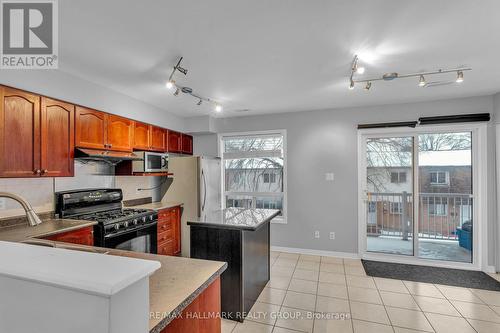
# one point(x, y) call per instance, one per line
point(151, 162)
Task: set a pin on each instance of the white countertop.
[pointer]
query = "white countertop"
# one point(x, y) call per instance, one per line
point(86, 272)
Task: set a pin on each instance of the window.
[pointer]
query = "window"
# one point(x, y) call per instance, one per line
point(438, 209)
point(254, 170)
point(396, 208)
point(439, 177)
point(398, 177)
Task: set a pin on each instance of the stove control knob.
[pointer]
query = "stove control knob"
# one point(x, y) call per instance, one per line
point(135, 221)
point(117, 226)
point(151, 217)
point(125, 224)
point(144, 219)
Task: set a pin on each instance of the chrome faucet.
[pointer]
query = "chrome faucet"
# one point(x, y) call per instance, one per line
point(33, 219)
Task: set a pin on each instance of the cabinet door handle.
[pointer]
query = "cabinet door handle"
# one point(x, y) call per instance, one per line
point(44, 171)
point(37, 171)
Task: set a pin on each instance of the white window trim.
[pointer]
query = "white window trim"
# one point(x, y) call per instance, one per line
point(479, 153)
point(446, 178)
point(280, 219)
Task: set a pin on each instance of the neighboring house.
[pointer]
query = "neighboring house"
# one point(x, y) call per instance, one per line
point(444, 195)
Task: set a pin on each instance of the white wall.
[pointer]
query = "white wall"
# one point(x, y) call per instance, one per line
point(326, 141)
point(60, 85)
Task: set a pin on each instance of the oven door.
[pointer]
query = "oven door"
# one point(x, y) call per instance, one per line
point(142, 240)
point(155, 162)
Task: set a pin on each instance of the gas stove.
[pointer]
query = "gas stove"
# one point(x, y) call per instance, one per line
point(117, 227)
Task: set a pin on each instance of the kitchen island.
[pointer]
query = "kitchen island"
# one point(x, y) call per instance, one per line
point(240, 237)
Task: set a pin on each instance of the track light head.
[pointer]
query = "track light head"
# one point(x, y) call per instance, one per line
point(360, 70)
point(170, 84)
point(351, 85)
point(460, 77)
point(218, 107)
point(421, 81)
point(368, 85)
point(199, 102)
point(177, 91)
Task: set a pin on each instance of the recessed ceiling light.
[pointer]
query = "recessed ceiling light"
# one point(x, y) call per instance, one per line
point(460, 77)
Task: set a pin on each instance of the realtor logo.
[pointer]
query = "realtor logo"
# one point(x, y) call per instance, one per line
point(29, 34)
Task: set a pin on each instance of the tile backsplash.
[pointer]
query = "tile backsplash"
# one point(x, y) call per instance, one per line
point(40, 191)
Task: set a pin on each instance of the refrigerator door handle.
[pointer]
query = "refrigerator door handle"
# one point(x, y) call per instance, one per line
point(204, 190)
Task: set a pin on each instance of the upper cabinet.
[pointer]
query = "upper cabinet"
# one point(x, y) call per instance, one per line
point(142, 137)
point(187, 144)
point(174, 142)
point(57, 138)
point(99, 130)
point(120, 133)
point(149, 137)
point(158, 139)
point(36, 135)
point(90, 128)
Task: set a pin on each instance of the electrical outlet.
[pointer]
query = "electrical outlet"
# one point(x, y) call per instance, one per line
point(316, 234)
point(332, 235)
point(329, 176)
point(2, 203)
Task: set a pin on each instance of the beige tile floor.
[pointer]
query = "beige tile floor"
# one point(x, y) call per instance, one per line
point(326, 294)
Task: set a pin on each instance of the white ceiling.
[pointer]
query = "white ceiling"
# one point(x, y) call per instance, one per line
point(280, 55)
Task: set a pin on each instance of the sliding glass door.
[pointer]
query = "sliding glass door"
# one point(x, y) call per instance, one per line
point(419, 184)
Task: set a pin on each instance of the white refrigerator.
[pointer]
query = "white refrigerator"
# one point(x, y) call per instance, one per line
point(197, 184)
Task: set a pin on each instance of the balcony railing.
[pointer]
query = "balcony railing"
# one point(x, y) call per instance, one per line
point(440, 214)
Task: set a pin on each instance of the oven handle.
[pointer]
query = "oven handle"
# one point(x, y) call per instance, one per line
point(145, 226)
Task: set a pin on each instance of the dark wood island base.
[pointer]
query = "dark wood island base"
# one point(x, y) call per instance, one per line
point(240, 237)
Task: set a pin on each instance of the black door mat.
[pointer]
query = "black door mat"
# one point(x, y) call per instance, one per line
point(436, 275)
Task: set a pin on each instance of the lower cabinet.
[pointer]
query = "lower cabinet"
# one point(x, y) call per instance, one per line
point(202, 315)
point(83, 236)
point(169, 231)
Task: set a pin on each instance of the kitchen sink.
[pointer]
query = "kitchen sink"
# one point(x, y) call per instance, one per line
point(72, 247)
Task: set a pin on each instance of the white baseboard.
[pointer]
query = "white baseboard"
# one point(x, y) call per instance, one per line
point(490, 269)
point(349, 255)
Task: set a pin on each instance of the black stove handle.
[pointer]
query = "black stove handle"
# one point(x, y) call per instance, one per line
point(126, 231)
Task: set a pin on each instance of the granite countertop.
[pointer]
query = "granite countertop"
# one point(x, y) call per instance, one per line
point(156, 205)
point(171, 288)
point(236, 218)
point(21, 232)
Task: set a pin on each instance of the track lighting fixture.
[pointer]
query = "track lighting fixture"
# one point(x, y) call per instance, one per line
point(391, 76)
point(171, 84)
point(421, 81)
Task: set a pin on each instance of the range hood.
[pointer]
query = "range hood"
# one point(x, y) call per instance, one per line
point(108, 156)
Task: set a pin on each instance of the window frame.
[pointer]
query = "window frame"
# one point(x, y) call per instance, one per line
point(437, 172)
point(220, 139)
point(399, 173)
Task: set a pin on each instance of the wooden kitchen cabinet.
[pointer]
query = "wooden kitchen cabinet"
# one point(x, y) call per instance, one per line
point(202, 315)
point(120, 133)
point(90, 128)
point(187, 144)
point(83, 236)
point(174, 142)
point(169, 231)
point(142, 136)
point(19, 133)
point(149, 137)
point(36, 135)
point(158, 139)
point(57, 138)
